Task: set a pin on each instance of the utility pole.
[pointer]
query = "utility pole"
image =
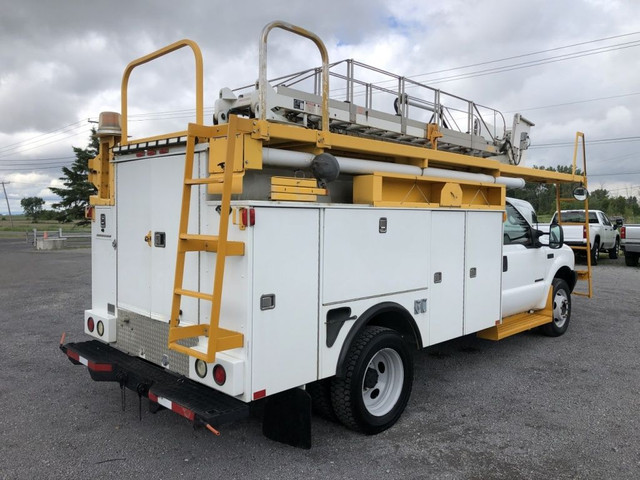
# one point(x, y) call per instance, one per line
point(7, 199)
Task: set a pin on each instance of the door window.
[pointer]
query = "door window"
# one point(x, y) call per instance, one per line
point(516, 228)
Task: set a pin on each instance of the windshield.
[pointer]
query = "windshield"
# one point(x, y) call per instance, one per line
point(576, 217)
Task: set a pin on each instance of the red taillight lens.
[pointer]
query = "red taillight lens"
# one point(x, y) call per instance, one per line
point(623, 232)
point(248, 217)
point(219, 374)
point(91, 324)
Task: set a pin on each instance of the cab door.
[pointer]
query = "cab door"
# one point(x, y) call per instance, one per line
point(523, 265)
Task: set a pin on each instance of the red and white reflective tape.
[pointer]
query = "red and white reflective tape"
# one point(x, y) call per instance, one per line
point(173, 406)
point(96, 367)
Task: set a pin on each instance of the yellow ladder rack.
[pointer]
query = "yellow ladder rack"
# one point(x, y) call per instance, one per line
point(583, 275)
point(219, 339)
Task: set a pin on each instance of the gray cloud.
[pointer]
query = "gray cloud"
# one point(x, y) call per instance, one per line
point(62, 61)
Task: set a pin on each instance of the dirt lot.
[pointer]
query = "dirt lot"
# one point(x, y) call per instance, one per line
point(528, 407)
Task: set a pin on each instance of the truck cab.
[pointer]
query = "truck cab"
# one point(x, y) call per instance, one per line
point(531, 259)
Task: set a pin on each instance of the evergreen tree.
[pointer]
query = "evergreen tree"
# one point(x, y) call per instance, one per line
point(77, 188)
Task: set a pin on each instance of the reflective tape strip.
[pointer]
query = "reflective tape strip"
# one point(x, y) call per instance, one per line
point(174, 407)
point(97, 367)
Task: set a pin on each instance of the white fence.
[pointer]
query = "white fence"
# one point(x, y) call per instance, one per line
point(71, 239)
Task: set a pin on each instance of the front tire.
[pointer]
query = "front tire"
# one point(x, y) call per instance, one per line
point(561, 309)
point(377, 383)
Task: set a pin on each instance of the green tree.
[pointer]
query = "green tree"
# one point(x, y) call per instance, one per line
point(77, 188)
point(32, 207)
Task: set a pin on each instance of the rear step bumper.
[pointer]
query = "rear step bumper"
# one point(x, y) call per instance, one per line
point(198, 403)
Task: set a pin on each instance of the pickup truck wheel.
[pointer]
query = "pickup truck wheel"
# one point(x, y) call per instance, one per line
point(561, 309)
point(376, 386)
point(595, 253)
point(613, 253)
point(630, 259)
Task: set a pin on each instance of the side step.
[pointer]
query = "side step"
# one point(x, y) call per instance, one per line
point(515, 324)
point(194, 401)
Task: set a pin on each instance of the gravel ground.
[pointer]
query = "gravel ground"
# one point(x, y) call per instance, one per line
point(528, 407)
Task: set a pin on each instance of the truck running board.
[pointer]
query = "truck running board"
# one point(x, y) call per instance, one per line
point(197, 403)
point(515, 324)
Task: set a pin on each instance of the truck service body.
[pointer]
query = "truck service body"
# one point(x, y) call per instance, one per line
point(302, 249)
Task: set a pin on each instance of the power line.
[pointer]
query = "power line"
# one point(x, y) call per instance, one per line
point(576, 102)
point(602, 141)
point(526, 54)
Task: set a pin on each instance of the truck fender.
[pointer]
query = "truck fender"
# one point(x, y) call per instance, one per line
point(387, 314)
point(568, 275)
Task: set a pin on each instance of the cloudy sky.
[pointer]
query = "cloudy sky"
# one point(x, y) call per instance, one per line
point(567, 65)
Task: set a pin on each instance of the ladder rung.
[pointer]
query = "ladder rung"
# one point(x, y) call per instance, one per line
point(187, 331)
point(202, 181)
point(207, 243)
point(194, 294)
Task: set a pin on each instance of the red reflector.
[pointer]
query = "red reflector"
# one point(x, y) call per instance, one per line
point(219, 374)
point(91, 324)
point(151, 152)
point(140, 154)
point(259, 394)
point(185, 412)
point(100, 367)
point(163, 150)
point(74, 355)
point(248, 217)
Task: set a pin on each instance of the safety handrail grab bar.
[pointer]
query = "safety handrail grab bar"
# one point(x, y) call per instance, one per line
point(262, 79)
point(152, 56)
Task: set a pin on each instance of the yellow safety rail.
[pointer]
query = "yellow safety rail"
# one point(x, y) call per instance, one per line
point(152, 56)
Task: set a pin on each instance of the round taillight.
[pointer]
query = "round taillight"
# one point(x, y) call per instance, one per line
point(100, 328)
point(219, 374)
point(91, 324)
point(201, 368)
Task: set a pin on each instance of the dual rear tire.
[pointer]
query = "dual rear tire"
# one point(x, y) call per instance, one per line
point(376, 386)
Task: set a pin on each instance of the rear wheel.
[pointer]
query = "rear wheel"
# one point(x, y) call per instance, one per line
point(613, 253)
point(561, 309)
point(630, 259)
point(376, 386)
point(320, 392)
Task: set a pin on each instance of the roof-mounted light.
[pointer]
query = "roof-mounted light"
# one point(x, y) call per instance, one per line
point(109, 125)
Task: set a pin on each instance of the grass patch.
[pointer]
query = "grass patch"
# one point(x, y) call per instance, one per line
point(23, 224)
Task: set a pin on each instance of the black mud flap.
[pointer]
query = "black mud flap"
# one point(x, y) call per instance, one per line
point(194, 401)
point(287, 418)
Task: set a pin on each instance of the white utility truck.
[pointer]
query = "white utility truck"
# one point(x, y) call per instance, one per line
point(300, 249)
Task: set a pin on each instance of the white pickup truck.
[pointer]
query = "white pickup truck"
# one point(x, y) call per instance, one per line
point(630, 243)
point(603, 235)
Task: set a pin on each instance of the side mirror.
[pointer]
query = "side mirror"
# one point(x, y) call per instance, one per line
point(580, 194)
point(556, 236)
